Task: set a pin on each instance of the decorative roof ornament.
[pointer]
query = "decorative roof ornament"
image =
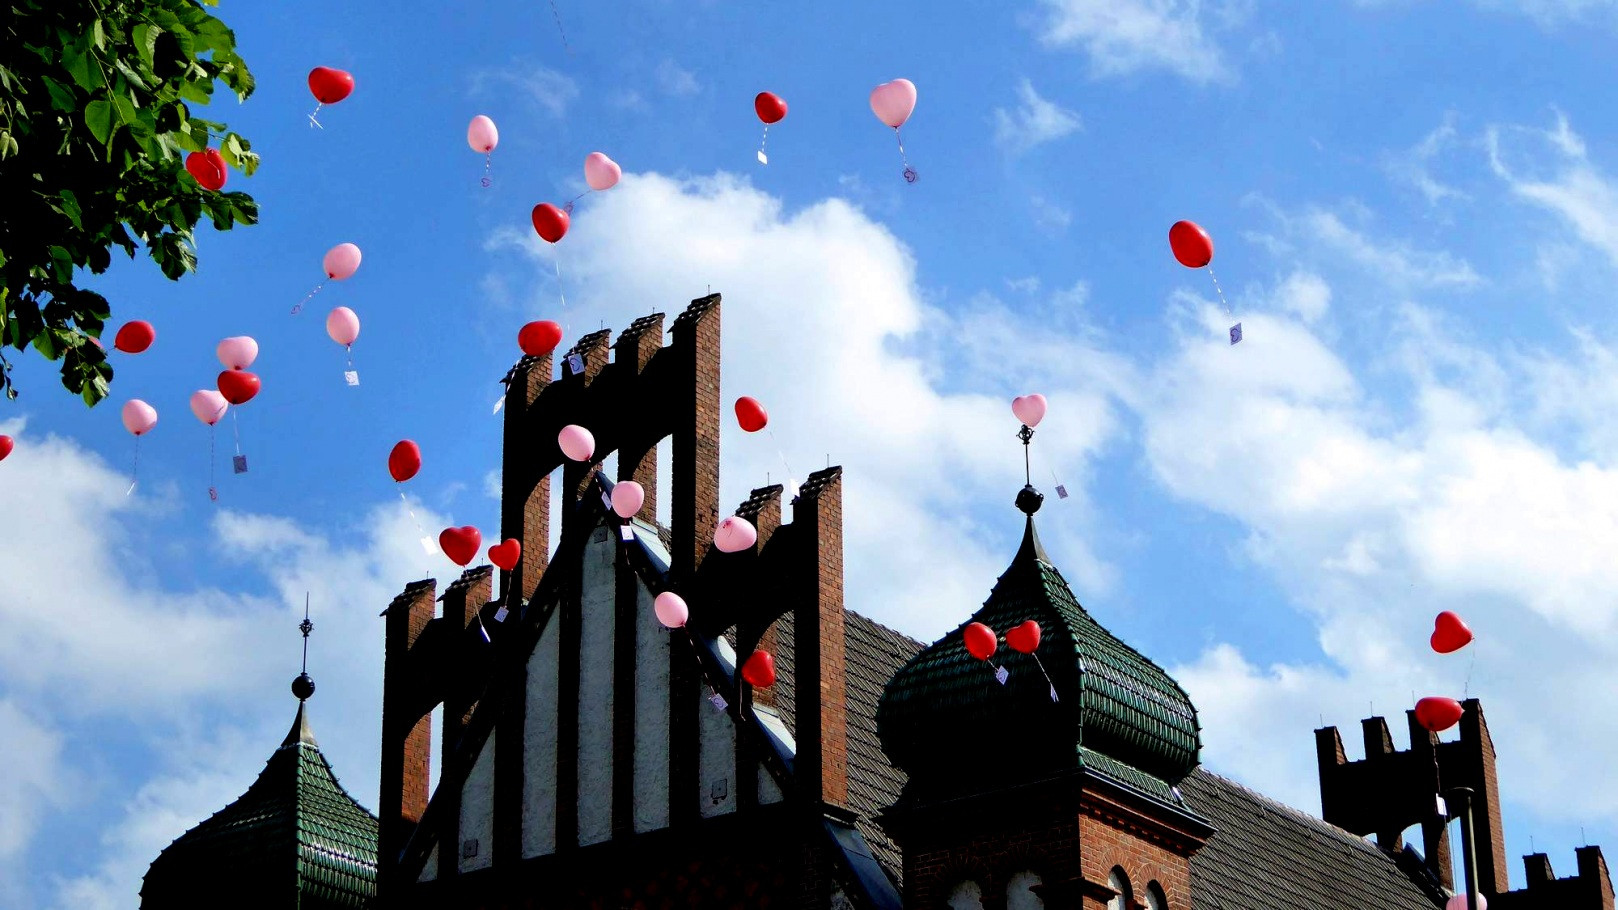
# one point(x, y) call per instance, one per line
point(304, 685)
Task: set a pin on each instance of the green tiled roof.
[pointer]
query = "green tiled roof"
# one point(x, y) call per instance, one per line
point(294, 839)
point(945, 714)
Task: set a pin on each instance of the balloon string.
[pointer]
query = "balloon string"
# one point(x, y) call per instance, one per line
point(134, 474)
point(313, 123)
point(559, 30)
point(559, 292)
point(766, 140)
point(695, 655)
point(779, 452)
point(1221, 291)
point(213, 491)
point(1047, 675)
point(488, 162)
point(1467, 687)
point(350, 349)
point(568, 208)
point(307, 298)
point(236, 431)
point(910, 174)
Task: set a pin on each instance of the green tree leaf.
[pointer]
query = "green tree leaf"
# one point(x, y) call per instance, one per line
point(98, 117)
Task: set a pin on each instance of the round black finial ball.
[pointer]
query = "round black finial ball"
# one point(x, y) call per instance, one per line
point(1029, 500)
point(303, 687)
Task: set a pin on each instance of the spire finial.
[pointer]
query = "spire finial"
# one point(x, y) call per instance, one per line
point(304, 686)
point(1028, 498)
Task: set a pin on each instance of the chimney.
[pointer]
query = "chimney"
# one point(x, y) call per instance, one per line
point(1538, 869)
point(763, 510)
point(1379, 743)
point(1595, 878)
point(525, 499)
point(1434, 829)
point(407, 728)
point(822, 723)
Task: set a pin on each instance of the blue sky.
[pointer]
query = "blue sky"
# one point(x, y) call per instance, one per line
point(1412, 209)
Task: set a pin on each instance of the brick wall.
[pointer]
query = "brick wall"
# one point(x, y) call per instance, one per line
point(406, 728)
point(820, 662)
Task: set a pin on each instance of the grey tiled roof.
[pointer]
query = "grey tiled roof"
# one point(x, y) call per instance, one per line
point(1269, 855)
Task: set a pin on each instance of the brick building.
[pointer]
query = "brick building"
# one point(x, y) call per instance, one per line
point(592, 758)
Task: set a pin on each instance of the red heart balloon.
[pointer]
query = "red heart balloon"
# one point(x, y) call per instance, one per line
point(506, 553)
point(1191, 244)
point(539, 338)
point(6, 445)
point(1449, 633)
point(750, 414)
point(550, 222)
point(1438, 714)
point(770, 107)
point(238, 386)
point(207, 168)
point(134, 337)
point(460, 544)
point(759, 671)
point(404, 461)
point(330, 86)
point(1024, 639)
point(980, 640)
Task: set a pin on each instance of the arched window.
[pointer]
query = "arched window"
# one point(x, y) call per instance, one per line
point(966, 896)
point(1155, 899)
point(1020, 893)
point(1119, 882)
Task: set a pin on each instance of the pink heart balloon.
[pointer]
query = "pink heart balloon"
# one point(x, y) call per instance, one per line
point(671, 609)
point(208, 405)
point(139, 417)
point(576, 442)
point(893, 101)
point(734, 535)
point(601, 172)
point(341, 261)
point(237, 352)
point(627, 498)
point(1030, 409)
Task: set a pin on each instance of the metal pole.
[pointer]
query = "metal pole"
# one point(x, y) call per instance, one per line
point(1464, 796)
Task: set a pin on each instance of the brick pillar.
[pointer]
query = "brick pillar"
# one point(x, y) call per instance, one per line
point(462, 601)
point(576, 480)
point(1478, 767)
point(820, 664)
point(637, 457)
point(1434, 829)
point(525, 505)
point(693, 397)
point(525, 499)
point(763, 510)
point(1379, 745)
point(407, 729)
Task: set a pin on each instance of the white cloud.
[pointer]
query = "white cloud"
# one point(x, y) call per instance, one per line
point(1392, 262)
point(35, 780)
point(1036, 120)
point(546, 89)
point(824, 323)
point(1372, 522)
point(674, 80)
point(1576, 190)
point(1305, 295)
point(1414, 166)
point(1125, 36)
point(1049, 216)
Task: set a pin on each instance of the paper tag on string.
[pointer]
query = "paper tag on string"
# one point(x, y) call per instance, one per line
point(1235, 333)
point(131, 488)
point(352, 377)
point(213, 493)
point(606, 500)
point(763, 158)
point(500, 614)
point(1443, 809)
point(428, 545)
point(1001, 674)
point(626, 533)
point(575, 363)
point(1053, 694)
point(1061, 492)
point(239, 463)
point(718, 701)
point(498, 404)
